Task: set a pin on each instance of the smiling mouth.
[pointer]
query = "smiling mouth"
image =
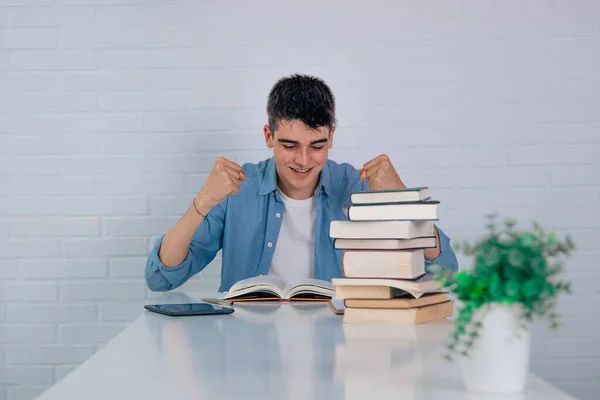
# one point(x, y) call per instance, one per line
point(301, 171)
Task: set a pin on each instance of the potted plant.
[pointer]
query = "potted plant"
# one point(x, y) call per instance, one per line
point(513, 280)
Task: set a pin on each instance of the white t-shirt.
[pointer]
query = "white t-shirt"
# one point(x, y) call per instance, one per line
point(293, 258)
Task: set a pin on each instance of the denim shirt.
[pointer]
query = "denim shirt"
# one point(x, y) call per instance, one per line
point(245, 226)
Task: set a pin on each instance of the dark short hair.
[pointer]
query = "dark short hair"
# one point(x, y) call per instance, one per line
point(304, 98)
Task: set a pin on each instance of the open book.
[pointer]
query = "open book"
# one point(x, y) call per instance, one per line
point(269, 287)
point(381, 288)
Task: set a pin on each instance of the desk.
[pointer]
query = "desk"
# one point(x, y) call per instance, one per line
point(273, 351)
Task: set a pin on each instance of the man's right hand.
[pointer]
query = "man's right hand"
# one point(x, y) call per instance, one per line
point(223, 180)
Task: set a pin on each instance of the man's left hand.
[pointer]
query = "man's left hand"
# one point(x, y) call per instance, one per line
point(380, 174)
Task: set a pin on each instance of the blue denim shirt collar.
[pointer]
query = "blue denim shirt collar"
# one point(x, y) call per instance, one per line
point(269, 179)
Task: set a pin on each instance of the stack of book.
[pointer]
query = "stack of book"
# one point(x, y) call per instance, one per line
point(383, 258)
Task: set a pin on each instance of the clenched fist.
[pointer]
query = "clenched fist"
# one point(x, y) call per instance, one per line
point(223, 180)
point(380, 174)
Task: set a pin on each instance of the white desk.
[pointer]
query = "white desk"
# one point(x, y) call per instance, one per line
point(272, 351)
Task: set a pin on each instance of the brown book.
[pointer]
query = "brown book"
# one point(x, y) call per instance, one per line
point(396, 264)
point(402, 302)
point(398, 316)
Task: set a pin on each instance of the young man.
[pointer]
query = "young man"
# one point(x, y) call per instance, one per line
point(273, 217)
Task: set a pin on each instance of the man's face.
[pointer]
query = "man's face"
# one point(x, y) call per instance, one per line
point(300, 154)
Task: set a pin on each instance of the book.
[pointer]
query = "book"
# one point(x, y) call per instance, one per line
point(422, 210)
point(415, 287)
point(337, 306)
point(408, 316)
point(385, 244)
point(395, 264)
point(399, 302)
point(380, 229)
point(367, 292)
point(390, 195)
point(270, 287)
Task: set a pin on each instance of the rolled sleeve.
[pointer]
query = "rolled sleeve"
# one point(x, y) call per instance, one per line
point(207, 241)
point(159, 278)
point(447, 258)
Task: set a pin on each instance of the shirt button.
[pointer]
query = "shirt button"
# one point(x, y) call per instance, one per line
point(278, 215)
point(270, 244)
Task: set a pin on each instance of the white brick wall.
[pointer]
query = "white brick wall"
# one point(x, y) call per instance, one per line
point(113, 111)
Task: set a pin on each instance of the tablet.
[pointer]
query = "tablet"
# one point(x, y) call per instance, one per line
point(181, 310)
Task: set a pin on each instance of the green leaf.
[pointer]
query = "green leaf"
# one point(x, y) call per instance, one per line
point(530, 289)
point(512, 288)
point(551, 240)
point(516, 274)
point(527, 240)
point(463, 279)
point(537, 264)
point(492, 257)
point(479, 289)
point(516, 258)
point(495, 286)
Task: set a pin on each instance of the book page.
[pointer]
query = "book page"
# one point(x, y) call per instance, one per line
point(262, 280)
point(311, 286)
point(312, 282)
point(258, 285)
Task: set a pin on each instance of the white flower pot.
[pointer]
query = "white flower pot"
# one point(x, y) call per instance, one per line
point(498, 362)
